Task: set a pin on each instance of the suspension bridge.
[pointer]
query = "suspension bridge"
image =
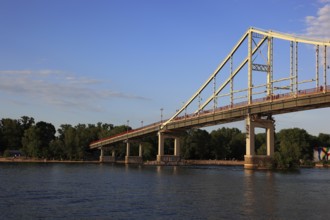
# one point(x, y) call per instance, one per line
point(266, 73)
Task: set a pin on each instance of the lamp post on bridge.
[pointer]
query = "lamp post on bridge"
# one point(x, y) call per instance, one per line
point(127, 144)
point(161, 115)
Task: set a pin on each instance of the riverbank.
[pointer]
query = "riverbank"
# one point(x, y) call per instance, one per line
point(183, 162)
point(147, 163)
point(215, 162)
point(197, 163)
point(32, 160)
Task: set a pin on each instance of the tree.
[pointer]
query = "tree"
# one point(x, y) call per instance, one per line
point(323, 140)
point(37, 138)
point(56, 149)
point(31, 142)
point(197, 145)
point(261, 144)
point(228, 143)
point(26, 122)
point(83, 137)
point(46, 135)
point(221, 148)
point(119, 129)
point(294, 145)
point(150, 149)
point(67, 137)
point(11, 134)
point(237, 145)
point(104, 130)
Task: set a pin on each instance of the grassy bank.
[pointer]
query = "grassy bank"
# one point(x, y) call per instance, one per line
point(34, 160)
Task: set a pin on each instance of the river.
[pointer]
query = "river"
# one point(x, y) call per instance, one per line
point(105, 191)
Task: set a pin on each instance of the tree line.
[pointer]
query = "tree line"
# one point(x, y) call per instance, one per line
point(292, 146)
point(42, 140)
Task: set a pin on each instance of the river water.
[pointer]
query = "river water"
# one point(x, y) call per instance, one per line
point(105, 191)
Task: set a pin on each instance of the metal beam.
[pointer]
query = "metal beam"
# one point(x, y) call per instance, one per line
point(232, 75)
point(299, 102)
point(207, 81)
point(289, 37)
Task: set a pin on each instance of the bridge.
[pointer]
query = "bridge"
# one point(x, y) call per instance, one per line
point(266, 73)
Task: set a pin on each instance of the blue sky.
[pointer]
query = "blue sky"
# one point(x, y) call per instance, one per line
point(89, 61)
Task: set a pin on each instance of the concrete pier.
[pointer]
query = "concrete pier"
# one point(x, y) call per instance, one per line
point(107, 159)
point(129, 159)
point(168, 159)
point(253, 161)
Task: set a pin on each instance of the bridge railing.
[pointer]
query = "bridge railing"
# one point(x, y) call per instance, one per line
point(310, 91)
point(127, 132)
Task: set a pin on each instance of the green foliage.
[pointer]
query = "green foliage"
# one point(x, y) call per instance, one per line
point(326, 162)
point(196, 145)
point(150, 149)
point(36, 140)
point(57, 149)
point(261, 144)
point(323, 139)
point(39, 140)
point(224, 143)
point(31, 142)
point(72, 142)
point(11, 133)
point(295, 144)
point(220, 143)
point(6, 153)
point(228, 143)
point(26, 122)
point(262, 150)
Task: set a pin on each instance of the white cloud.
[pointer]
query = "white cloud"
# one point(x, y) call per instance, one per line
point(57, 88)
point(324, 1)
point(319, 26)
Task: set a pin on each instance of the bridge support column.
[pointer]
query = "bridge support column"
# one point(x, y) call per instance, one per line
point(252, 161)
point(160, 146)
point(107, 158)
point(177, 147)
point(168, 159)
point(270, 139)
point(133, 159)
point(128, 148)
point(140, 150)
point(250, 151)
point(101, 154)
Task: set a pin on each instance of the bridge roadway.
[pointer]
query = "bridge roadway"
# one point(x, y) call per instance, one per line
point(277, 104)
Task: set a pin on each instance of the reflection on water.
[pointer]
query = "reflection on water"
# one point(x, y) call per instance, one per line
point(259, 194)
point(165, 170)
point(106, 191)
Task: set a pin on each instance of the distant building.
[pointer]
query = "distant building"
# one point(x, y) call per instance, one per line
point(321, 153)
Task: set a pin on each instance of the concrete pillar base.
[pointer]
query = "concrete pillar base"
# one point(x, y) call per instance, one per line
point(107, 159)
point(133, 160)
point(258, 162)
point(168, 159)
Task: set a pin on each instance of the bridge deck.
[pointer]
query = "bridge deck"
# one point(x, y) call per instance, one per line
point(278, 104)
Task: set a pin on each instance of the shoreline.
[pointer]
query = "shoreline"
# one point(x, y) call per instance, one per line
point(30, 160)
point(145, 163)
point(215, 162)
point(196, 162)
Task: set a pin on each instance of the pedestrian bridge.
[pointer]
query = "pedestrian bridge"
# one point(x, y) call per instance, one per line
point(245, 87)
